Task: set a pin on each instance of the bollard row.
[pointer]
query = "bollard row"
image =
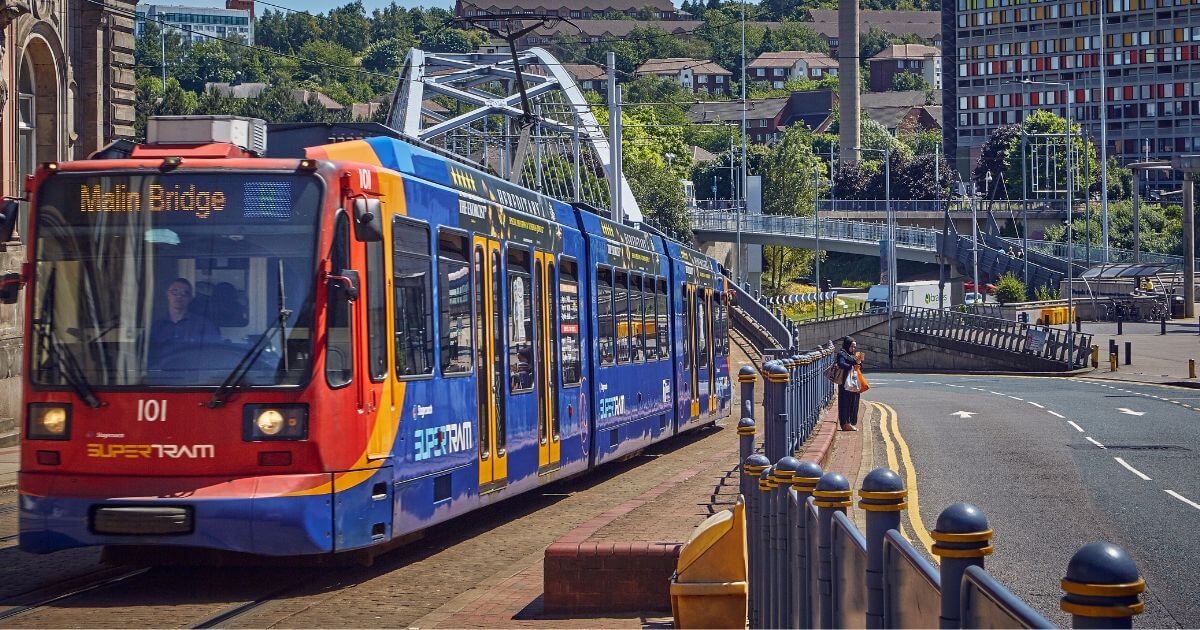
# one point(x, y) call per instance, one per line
point(802, 558)
point(795, 392)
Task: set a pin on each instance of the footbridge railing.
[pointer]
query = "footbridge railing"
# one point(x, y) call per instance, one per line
point(1054, 344)
point(831, 229)
point(769, 328)
point(811, 567)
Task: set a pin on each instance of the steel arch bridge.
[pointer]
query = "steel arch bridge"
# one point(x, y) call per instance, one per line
point(470, 105)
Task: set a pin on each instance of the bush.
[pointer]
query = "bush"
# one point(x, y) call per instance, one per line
point(1009, 289)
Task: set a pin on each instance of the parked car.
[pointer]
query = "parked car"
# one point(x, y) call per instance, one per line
point(971, 299)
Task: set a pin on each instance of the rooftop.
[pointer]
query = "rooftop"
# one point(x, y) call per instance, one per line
point(789, 57)
point(585, 71)
point(541, 6)
point(926, 24)
point(678, 64)
point(907, 51)
point(729, 111)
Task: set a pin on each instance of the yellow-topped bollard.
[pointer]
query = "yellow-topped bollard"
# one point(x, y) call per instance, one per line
point(709, 588)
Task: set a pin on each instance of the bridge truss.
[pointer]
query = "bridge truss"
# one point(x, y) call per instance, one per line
point(470, 105)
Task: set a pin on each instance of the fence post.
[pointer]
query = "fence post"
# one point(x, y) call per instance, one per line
point(753, 468)
point(746, 377)
point(745, 430)
point(1102, 587)
point(784, 472)
point(775, 392)
point(962, 539)
point(832, 494)
point(804, 481)
point(882, 497)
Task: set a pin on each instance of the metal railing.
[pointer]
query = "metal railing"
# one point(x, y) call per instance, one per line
point(795, 407)
point(759, 320)
point(1070, 349)
point(1095, 255)
point(954, 206)
point(811, 567)
point(831, 229)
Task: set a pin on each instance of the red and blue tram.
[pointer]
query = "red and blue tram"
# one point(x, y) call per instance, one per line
point(308, 356)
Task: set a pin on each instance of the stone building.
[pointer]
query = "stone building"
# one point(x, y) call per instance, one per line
point(66, 90)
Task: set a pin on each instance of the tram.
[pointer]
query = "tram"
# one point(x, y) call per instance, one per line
point(316, 355)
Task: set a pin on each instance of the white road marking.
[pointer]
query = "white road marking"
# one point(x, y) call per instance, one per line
point(1015, 398)
point(1089, 438)
point(950, 385)
point(1183, 498)
point(1035, 404)
point(1132, 469)
point(996, 393)
point(966, 415)
point(1055, 414)
point(1077, 427)
point(1128, 411)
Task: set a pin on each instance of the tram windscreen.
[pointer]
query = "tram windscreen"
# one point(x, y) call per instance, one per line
point(173, 279)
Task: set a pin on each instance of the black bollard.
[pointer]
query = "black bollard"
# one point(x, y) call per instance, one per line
point(832, 494)
point(1120, 326)
point(962, 539)
point(1162, 326)
point(1128, 352)
point(1102, 587)
point(883, 497)
point(1078, 324)
point(808, 474)
point(1112, 347)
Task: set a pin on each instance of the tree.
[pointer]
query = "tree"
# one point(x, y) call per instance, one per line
point(792, 35)
point(1037, 127)
point(386, 55)
point(452, 40)
point(852, 180)
point(349, 27)
point(993, 155)
point(905, 81)
point(1009, 289)
point(788, 173)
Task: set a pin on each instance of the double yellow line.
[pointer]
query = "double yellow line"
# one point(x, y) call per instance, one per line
point(897, 451)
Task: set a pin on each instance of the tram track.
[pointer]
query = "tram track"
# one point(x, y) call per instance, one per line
point(106, 577)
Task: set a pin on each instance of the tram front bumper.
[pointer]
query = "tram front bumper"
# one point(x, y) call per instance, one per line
point(278, 515)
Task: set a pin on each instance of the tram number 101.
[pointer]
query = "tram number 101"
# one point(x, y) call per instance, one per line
point(152, 410)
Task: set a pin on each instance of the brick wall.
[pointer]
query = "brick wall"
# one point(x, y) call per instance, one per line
point(608, 577)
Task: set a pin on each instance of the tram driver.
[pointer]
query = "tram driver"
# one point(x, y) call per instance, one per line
point(179, 329)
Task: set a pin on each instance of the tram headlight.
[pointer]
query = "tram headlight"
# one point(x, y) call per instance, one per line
point(48, 421)
point(263, 423)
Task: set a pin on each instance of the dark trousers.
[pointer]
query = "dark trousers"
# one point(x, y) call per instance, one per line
point(847, 407)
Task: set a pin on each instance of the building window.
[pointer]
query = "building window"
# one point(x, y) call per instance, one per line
point(760, 72)
point(720, 79)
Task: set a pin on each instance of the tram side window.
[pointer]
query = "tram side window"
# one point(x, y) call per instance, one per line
point(376, 312)
point(701, 328)
point(724, 319)
point(651, 326)
point(520, 320)
point(605, 333)
point(637, 318)
point(339, 360)
point(414, 310)
point(621, 311)
point(663, 327)
point(454, 303)
point(688, 324)
point(568, 325)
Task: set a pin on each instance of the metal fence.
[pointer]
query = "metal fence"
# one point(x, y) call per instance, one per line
point(811, 567)
point(1054, 344)
point(797, 391)
point(771, 329)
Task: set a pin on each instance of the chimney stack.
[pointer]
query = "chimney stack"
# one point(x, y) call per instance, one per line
point(849, 80)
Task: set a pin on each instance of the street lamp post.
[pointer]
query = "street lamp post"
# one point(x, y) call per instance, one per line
point(1066, 85)
point(891, 247)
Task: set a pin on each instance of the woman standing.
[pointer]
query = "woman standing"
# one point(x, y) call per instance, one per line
point(847, 360)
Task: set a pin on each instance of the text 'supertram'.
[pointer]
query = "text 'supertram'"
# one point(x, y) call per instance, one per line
point(306, 356)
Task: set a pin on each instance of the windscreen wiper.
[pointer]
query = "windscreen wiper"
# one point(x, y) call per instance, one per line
point(60, 356)
point(242, 368)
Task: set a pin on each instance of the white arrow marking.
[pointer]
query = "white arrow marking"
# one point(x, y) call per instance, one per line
point(964, 414)
point(1131, 412)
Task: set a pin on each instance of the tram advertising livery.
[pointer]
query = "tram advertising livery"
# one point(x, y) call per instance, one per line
point(308, 356)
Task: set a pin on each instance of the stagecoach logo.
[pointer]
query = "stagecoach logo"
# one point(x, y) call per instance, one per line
point(146, 451)
point(443, 440)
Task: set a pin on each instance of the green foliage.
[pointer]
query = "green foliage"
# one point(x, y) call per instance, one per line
point(788, 174)
point(1009, 289)
point(1161, 228)
point(1001, 155)
point(905, 81)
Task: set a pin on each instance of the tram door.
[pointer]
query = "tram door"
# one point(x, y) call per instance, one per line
point(691, 360)
point(489, 355)
point(709, 322)
point(546, 359)
point(703, 347)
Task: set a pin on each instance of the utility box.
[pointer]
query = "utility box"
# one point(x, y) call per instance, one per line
point(709, 588)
